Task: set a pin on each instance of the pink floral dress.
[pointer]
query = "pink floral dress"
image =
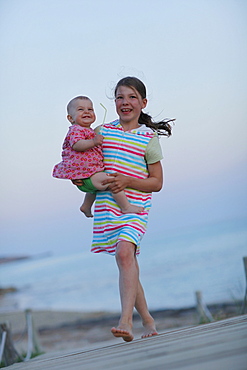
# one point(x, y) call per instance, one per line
point(78, 165)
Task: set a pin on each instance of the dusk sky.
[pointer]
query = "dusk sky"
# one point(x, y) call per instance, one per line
point(191, 55)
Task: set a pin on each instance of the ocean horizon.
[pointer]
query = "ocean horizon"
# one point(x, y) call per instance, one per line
point(207, 259)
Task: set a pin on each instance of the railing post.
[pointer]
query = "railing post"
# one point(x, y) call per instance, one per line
point(33, 344)
point(3, 340)
point(245, 296)
point(202, 310)
point(8, 351)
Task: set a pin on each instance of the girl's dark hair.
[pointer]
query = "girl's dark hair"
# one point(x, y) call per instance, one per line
point(163, 127)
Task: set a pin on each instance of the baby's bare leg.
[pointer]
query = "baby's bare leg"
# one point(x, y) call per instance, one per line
point(86, 206)
point(120, 198)
point(124, 204)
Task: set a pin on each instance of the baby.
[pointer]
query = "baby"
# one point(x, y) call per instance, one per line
point(82, 157)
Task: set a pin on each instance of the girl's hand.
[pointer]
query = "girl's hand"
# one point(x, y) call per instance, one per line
point(153, 182)
point(117, 182)
point(77, 182)
point(98, 140)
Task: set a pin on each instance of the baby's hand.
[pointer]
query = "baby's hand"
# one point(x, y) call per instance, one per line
point(98, 140)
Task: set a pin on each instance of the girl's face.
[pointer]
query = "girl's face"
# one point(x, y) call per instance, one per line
point(82, 113)
point(129, 104)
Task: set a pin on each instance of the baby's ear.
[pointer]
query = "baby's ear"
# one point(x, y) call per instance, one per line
point(70, 118)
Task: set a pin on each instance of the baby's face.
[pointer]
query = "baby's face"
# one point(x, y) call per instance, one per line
point(82, 113)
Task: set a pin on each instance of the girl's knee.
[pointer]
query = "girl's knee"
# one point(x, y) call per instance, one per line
point(125, 252)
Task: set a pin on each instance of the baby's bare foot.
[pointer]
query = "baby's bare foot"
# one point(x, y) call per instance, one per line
point(123, 332)
point(132, 209)
point(87, 211)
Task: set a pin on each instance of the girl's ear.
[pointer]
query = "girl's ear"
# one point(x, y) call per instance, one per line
point(69, 117)
point(144, 103)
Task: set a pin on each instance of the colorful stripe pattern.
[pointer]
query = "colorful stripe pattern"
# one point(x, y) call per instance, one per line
point(124, 153)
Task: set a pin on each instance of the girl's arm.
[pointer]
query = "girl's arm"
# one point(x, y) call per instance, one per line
point(83, 145)
point(153, 183)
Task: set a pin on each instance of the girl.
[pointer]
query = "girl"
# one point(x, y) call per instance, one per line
point(132, 156)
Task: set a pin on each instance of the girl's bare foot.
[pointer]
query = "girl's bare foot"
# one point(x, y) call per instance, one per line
point(87, 211)
point(132, 209)
point(123, 332)
point(150, 329)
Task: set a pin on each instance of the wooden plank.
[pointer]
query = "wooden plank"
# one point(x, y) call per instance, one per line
point(217, 345)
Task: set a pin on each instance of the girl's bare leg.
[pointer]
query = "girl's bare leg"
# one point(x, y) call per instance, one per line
point(120, 198)
point(142, 309)
point(86, 206)
point(128, 284)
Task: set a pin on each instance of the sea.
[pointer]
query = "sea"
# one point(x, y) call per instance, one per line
point(173, 267)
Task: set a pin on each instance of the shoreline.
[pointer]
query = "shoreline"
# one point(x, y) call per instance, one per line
point(67, 331)
point(20, 258)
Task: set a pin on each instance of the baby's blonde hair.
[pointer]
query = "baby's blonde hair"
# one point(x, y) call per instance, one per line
point(70, 104)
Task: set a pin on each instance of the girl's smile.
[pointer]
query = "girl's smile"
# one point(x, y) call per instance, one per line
point(129, 105)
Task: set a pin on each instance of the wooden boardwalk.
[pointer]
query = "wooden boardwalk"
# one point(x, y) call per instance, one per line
point(219, 345)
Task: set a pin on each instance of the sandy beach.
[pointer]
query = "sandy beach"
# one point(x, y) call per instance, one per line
point(69, 331)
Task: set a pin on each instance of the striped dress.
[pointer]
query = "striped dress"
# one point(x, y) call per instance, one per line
point(124, 153)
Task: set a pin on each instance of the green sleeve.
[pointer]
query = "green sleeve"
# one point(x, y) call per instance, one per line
point(153, 151)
